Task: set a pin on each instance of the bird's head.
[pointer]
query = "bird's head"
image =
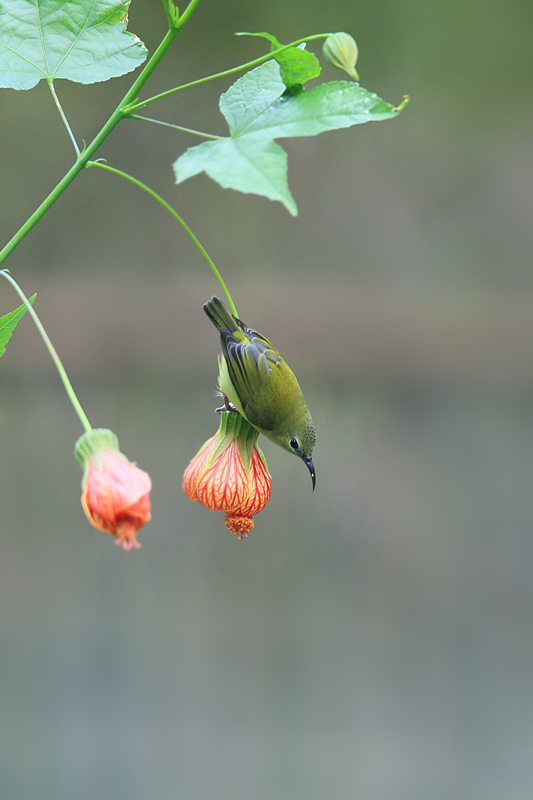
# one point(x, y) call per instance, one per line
point(299, 438)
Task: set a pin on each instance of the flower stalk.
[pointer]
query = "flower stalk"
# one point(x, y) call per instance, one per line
point(179, 219)
point(53, 353)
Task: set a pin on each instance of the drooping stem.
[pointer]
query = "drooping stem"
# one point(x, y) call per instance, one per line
point(63, 117)
point(100, 137)
point(51, 349)
point(179, 219)
point(249, 64)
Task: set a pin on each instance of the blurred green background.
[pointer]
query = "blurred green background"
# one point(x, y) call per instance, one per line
point(370, 641)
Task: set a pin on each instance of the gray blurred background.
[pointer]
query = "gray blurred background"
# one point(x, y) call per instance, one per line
point(370, 641)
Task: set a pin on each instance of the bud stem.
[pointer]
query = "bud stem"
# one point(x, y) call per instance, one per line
point(177, 217)
point(51, 349)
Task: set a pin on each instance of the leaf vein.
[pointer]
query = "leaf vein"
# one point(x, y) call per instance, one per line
point(76, 40)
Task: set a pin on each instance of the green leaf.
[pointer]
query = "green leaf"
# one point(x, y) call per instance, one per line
point(9, 322)
point(296, 65)
point(247, 164)
point(257, 112)
point(333, 105)
point(82, 40)
point(248, 97)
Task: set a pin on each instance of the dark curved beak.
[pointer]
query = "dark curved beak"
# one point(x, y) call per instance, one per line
point(310, 466)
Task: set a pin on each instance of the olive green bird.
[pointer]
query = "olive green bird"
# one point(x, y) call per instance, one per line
point(262, 387)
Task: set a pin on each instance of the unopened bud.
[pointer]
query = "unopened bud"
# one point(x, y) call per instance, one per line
point(341, 50)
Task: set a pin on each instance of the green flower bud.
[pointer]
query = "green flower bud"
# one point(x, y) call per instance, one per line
point(341, 50)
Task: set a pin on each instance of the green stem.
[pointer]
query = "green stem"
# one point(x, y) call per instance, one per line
point(177, 217)
point(63, 116)
point(232, 71)
point(184, 18)
point(177, 127)
point(51, 349)
point(100, 137)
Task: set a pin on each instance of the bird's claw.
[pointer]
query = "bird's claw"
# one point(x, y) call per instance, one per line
point(226, 407)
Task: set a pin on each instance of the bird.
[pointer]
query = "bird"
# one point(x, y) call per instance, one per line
point(260, 385)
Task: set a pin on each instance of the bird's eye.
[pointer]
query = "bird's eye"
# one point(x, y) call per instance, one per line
point(294, 444)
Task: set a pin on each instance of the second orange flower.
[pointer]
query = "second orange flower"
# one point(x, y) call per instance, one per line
point(230, 474)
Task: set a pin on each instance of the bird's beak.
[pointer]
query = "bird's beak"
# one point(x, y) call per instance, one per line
point(309, 463)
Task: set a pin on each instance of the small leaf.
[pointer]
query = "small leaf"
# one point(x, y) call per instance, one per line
point(82, 40)
point(258, 110)
point(9, 322)
point(297, 66)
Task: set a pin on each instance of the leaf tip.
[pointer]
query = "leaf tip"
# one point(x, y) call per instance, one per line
point(291, 207)
point(405, 102)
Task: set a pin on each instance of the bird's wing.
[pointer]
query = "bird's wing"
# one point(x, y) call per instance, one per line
point(251, 366)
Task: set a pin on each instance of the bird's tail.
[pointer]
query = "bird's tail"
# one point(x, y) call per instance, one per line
point(220, 316)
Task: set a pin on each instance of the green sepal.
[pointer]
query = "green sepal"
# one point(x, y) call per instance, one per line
point(234, 427)
point(92, 444)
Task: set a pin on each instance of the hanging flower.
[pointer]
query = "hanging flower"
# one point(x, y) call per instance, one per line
point(116, 493)
point(230, 474)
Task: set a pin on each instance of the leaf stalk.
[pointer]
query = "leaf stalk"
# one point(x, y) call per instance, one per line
point(63, 116)
point(173, 125)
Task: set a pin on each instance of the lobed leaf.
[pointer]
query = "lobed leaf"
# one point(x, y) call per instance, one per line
point(258, 111)
point(9, 322)
point(82, 40)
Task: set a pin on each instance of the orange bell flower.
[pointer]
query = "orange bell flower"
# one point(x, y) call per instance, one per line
point(116, 493)
point(230, 474)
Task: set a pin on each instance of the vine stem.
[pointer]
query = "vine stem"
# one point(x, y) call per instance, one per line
point(232, 71)
point(109, 126)
point(53, 353)
point(179, 219)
